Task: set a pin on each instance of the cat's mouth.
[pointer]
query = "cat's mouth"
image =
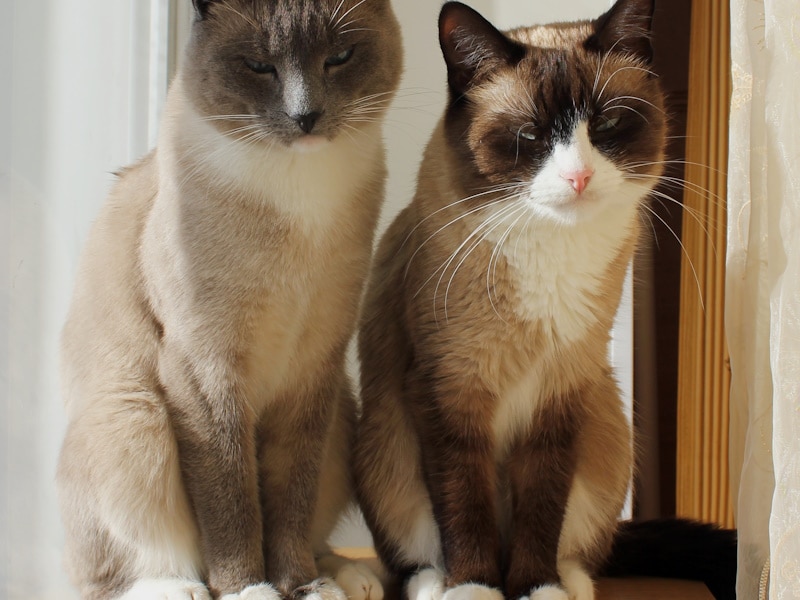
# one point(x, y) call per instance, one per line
point(309, 143)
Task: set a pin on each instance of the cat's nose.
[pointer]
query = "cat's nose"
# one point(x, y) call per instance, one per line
point(307, 121)
point(578, 179)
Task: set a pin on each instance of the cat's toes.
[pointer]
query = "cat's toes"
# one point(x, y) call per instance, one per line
point(428, 584)
point(167, 589)
point(359, 583)
point(319, 589)
point(472, 591)
point(548, 592)
point(576, 580)
point(260, 591)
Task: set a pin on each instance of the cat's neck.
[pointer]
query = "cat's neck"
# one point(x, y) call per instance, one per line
point(305, 183)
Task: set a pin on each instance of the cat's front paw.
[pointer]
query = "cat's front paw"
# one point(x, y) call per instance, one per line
point(358, 582)
point(576, 580)
point(260, 591)
point(547, 592)
point(319, 589)
point(472, 591)
point(428, 584)
point(166, 589)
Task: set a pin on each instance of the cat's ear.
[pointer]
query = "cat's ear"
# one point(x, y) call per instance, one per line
point(201, 7)
point(471, 46)
point(626, 28)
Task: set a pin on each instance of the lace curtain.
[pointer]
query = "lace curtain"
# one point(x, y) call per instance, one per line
point(763, 293)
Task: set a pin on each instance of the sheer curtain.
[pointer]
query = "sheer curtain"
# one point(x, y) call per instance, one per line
point(763, 293)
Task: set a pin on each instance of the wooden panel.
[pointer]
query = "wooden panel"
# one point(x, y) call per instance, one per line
point(703, 488)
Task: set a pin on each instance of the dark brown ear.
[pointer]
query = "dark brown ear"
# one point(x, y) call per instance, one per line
point(201, 7)
point(471, 47)
point(625, 28)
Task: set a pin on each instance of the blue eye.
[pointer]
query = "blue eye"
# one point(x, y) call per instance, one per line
point(607, 124)
point(339, 59)
point(526, 135)
point(260, 67)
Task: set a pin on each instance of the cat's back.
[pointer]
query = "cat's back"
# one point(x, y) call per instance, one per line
point(108, 315)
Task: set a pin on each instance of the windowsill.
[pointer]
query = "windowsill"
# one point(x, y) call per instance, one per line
point(633, 588)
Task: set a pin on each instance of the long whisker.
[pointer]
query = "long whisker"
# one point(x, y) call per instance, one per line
point(685, 252)
point(493, 260)
point(471, 241)
point(492, 190)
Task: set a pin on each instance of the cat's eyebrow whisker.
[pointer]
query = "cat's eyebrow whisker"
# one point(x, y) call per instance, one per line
point(627, 108)
point(620, 70)
point(246, 19)
point(336, 11)
point(357, 29)
point(347, 12)
point(617, 98)
point(603, 64)
point(685, 253)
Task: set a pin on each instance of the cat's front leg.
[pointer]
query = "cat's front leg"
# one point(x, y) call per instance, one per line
point(460, 473)
point(295, 435)
point(216, 442)
point(541, 468)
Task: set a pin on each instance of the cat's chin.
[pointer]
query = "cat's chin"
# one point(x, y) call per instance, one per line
point(309, 143)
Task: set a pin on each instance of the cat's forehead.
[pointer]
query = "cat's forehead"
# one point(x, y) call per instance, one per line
point(558, 75)
point(282, 23)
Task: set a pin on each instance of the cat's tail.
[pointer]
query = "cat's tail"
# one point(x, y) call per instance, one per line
point(676, 549)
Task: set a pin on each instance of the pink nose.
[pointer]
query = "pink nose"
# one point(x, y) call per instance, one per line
point(578, 179)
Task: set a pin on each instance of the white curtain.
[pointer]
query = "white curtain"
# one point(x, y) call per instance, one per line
point(763, 293)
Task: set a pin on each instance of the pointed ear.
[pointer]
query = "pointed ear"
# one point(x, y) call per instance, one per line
point(471, 46)
point(625, 28)
point(201, 7)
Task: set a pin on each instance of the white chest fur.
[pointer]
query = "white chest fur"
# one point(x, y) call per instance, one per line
point(310, 183)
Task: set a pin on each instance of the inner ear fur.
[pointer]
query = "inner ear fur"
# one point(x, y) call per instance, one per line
point(471, 47)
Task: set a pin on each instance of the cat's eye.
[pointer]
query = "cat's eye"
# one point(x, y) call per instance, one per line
point(526, 135)
point(526, 132)
point(260, 67)
point(607, 124)
point(339, 59)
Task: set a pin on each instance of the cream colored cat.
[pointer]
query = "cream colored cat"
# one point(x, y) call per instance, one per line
point(209, 411)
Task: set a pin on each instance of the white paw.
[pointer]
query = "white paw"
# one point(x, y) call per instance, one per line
point(260, 591)
point(359, 582)
point(472, 591)
point(548, 592)
point(167, 589)
point(321, 589)
point(576, 580)
point(428, 584)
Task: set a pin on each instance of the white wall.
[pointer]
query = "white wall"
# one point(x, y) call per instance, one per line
point(76, 105)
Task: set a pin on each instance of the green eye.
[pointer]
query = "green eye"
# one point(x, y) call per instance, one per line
point(339, 59)
point(525, 132)
point(607, 124)
point(259, 67)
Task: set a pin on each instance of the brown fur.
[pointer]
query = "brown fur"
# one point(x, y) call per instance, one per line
point(210, 415)
point(443, 344)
